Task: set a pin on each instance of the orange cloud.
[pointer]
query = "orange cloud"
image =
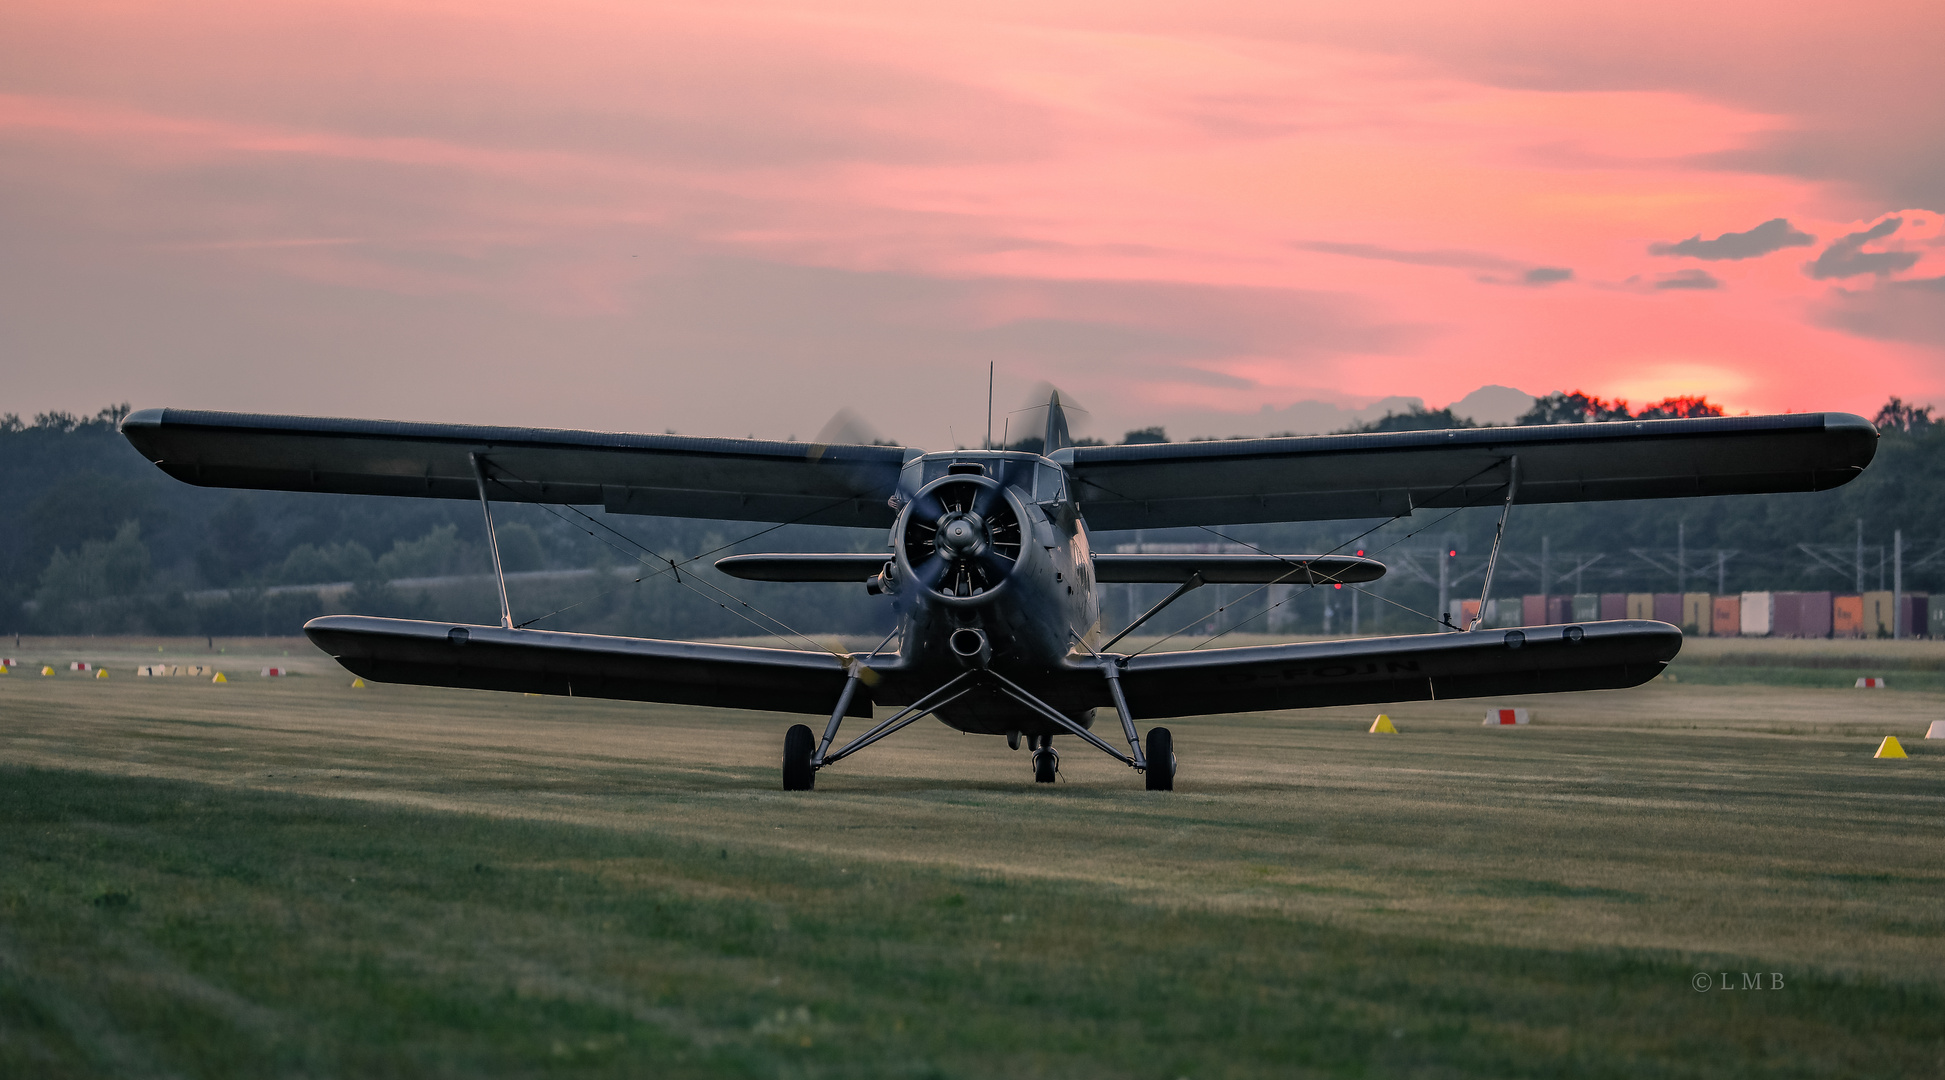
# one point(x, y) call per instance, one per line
point(1226, 208)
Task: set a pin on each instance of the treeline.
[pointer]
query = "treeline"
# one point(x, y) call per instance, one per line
point(96, 540)
point(1731, 544)
point(93, 539)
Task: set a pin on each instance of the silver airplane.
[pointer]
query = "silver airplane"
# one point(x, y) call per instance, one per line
point(989, 567)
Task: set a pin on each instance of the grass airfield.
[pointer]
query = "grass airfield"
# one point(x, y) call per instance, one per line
point(293, 877)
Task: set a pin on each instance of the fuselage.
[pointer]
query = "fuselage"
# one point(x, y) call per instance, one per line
point(991, 567)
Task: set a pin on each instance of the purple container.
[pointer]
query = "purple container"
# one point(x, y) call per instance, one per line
point(1668, 608)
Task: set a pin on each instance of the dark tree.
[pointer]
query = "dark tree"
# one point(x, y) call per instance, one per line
point(1909, 419)
point(1418, 419)
point(1574, 408)
point(1678, 408)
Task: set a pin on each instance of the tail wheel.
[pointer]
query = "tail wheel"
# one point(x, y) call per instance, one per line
point(1046, 765)
point(1161, 760)
point(798, 744)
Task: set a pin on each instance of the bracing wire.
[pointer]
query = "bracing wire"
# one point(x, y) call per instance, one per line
point(674, 567)
point(1309, 585)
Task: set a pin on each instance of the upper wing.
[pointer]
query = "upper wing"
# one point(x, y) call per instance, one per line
point(1319, 477)
point(673, 475)
point(1530, 660)
point(586, 665)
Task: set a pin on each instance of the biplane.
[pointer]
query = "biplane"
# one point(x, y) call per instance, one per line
point(989, 567)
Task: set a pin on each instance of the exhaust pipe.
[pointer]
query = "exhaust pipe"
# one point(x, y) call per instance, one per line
point(970, 646)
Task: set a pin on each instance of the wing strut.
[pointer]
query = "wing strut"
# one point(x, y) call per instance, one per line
point(1194, 581)
point(1499, 533)
point(492, 540)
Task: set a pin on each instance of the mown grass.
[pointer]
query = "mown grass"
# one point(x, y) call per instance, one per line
point(1839, 678)
point(293, 877)
point(156, 927)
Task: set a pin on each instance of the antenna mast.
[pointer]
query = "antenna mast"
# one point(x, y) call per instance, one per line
point(989, 404)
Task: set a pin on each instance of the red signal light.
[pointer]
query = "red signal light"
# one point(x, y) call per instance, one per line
point(1339, 585)
point(1360, 553)
point(1454, 553)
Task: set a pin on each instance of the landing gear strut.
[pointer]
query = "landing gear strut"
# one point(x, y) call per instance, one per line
point(804, 753)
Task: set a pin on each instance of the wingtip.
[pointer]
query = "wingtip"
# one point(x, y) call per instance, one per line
point(143, 419)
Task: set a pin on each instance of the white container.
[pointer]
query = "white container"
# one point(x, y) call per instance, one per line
point(1756, 610)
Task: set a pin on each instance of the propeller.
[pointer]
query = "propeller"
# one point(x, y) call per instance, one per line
point(961, 536)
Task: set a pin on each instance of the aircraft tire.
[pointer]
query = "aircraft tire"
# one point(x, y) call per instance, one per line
point(1161, 760)
point(798, 744)
point(1046, 765)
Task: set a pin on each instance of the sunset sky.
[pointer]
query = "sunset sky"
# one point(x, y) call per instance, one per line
point(736, 219)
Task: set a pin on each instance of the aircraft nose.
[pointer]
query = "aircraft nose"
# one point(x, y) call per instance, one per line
point(960, 535)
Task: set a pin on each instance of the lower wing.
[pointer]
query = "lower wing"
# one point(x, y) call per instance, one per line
point(1425, 667)
point(587, 665)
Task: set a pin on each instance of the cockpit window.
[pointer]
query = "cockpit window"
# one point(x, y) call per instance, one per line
point(1050, 484)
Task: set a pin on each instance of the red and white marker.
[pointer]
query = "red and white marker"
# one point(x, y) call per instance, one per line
point(81, 665)
point(1868, 683)
point(274, 672)
point(1503, 717)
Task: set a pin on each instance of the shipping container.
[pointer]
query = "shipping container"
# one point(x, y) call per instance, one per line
point(1879, 613)
point(1668, 608)
point(1614, 605)
point(1503, 612)
point(1560, 609)
point(1847, 616)
point(1817, 610)
point(1728, 616)
point(1935, 621)
point(1912, 614)
point(1914, 610)
point(1698, 613)
point(1586, 607)
point(1468, 611)
point(1800, 614)
point(1641, 605)
point(1533, 610)
point(1757, 609)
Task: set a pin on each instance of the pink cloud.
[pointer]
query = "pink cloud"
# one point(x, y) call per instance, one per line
point(1228, 208)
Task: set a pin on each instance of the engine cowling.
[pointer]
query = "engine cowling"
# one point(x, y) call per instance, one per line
point(959, 539)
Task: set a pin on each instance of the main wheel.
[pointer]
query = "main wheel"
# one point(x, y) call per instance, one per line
point(1046, 765)
point(1161, 760)
point(798, 745)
